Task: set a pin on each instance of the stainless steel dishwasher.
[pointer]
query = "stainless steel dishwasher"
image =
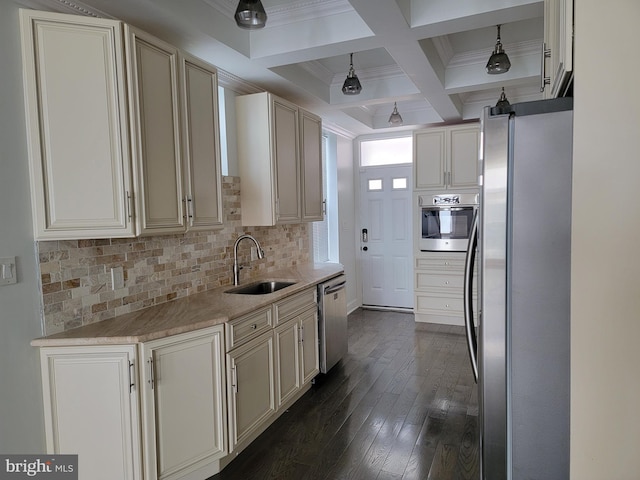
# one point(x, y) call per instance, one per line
point(333, 321)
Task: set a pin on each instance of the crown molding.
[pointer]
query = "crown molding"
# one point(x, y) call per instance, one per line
point(68, 6)
point(337, 130)
point(238, 85)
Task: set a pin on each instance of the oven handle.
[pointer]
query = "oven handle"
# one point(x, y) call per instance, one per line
point(472, 342)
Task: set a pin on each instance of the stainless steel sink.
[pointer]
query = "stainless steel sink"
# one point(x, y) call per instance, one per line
point(260, 288)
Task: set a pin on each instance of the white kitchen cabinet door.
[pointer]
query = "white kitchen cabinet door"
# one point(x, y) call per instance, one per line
point(77, 128)
point(91, 409)
point(201, 142)
point(286, 161)
point(288, 380)
point(464, 152)
point(446, 157)
point(155, 132)
point(309, 342)
point(250, 388)
point(184, 403)
point(557, 64)
point(429, 150)
point(312, 191)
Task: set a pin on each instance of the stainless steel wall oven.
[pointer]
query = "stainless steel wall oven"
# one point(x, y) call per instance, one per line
point(446, 221)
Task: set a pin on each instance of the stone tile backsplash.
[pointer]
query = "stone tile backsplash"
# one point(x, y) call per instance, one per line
point(76, 274)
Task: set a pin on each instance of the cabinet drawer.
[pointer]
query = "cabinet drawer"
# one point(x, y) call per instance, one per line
point(437, 304)
point(452, 281)
point(441, 262)
point(245, 328)
point(285, 309)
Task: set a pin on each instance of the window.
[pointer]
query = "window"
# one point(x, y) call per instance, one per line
point(399, 183)
point(325, 233)
point(386, 151)
point(374, 184)
point(222, 120)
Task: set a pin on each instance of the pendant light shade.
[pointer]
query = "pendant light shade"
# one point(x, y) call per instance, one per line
point(395, 118)
point(503, 102)
point(351, 84)
point(250, 14)
point(499, 61)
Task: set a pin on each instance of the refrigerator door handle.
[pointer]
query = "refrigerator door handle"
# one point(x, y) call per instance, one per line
point(472, 342)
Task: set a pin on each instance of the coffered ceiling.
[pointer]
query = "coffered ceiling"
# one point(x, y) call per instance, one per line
point(429, 56)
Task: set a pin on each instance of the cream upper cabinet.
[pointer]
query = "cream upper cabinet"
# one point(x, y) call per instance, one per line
point(446, 157)
point(78, 139)
point(557, 63)
point(91, 409)
point(311, 163)
point(123, 131)
point(155, 133)
point(279, 184)
point(184, 403)
point(201, 144)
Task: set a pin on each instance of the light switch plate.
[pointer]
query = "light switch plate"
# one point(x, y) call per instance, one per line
point(8, 274)
point(117, 278)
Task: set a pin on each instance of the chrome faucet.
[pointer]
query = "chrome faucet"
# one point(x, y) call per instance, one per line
point(236, 267)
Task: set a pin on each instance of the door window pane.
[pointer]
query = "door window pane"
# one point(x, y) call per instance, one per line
point(375, 184)
point(399, 183)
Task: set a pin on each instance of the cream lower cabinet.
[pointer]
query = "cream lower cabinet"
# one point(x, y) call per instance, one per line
point(251, 388)
point(91, 409)
point(439, 288)
point(184, 404)
point(272, 358)
point(296, 353)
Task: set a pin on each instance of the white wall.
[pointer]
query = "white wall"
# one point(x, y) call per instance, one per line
point(348, 220)
point(605, 320)
point(21, 422)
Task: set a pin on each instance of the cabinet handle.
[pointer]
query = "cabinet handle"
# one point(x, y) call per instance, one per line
point(151, 380)
point(190, 208)
point(234, 379)
point(129, 206)
point(254, 326)
point(131, 382)
point(544, 80)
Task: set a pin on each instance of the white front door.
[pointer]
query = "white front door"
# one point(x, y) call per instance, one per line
point(386, 236)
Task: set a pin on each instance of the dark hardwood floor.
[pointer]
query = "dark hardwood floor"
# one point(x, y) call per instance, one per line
point(401, 405)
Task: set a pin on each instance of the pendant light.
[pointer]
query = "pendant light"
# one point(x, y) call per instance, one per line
point(503, 104)
point(250, 14)
point(351, 84)
point(395, 118)
point(498, 61)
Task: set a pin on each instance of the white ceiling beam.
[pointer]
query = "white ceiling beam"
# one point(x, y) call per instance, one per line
point(387, 21)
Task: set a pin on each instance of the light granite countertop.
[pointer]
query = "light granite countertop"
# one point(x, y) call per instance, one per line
point(189, 313)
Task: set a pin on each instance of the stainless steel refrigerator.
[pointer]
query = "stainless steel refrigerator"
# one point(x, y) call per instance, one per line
point(521, 352)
